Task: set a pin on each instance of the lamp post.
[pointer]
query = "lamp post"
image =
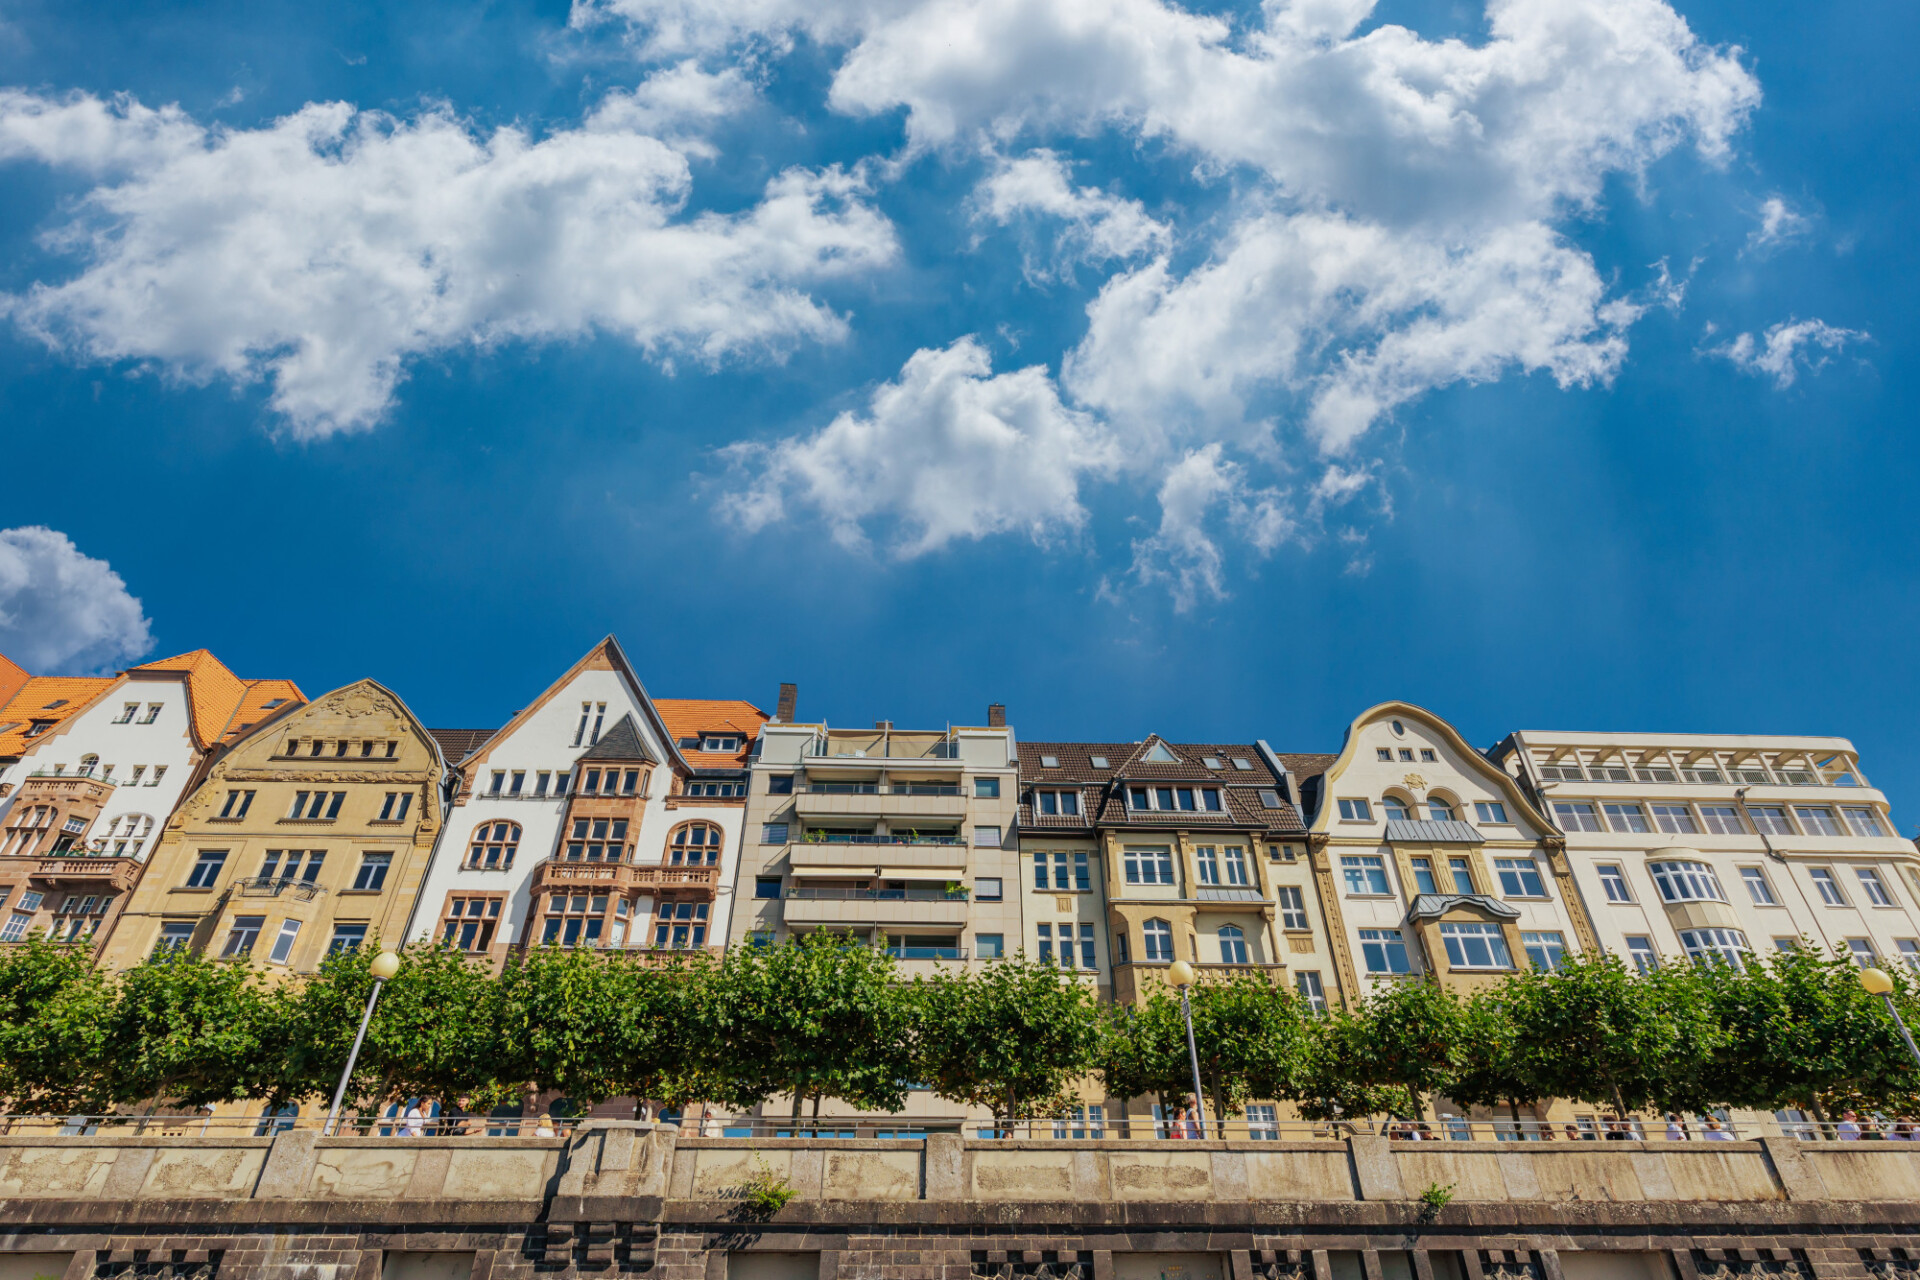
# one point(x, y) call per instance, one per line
point(1181, 975)
point(384, 966)
point(1878, 983)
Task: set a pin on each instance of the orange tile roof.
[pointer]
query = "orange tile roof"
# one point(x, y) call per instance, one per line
point(34, 700)
point(12, 677)
point(253, 708)
point(213, 692)
point(693, 717)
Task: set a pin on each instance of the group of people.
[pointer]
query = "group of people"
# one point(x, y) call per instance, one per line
point(1184, 1122)
point(454, 1120)
point(1853, 1129)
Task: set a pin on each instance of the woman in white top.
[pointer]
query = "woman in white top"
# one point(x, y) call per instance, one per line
point(416, 1118)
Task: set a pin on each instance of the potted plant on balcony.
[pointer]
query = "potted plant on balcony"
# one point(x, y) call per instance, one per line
point(957, 890)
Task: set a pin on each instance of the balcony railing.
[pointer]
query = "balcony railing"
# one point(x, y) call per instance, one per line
point(843, 837)
point(877, 789)
point(120, 872)
point(554, 871)
point(927, 953)
point(275, 886)
point(877, 895)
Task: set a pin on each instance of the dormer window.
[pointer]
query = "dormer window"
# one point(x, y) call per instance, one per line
point(1174, 799)
point(1065, 803)
point(1159, 754)
point(720, 742)
point(1049, 762)
point(127, 712)
point(153, 713)
point(38, 727)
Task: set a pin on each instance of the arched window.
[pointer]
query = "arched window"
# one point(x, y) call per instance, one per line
point(1395, 808)
point(88, 764)
point(696, 844)
point(1233, 945)
point(1439, 810)
point(493, 846)
point(1159, 940)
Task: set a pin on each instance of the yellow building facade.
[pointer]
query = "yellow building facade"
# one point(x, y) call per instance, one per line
point(313, 833)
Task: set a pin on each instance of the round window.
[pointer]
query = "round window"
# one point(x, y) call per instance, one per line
point(1399, 728)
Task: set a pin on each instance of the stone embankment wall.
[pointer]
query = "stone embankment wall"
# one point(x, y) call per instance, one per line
point(639, 1202)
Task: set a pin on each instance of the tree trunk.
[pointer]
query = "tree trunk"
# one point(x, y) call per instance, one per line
point(799, 1095)
point(1620, 1102)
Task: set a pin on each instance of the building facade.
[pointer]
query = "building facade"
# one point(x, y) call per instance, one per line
point(311, 834)
point(1433, 861)
point(1711, 845)
point(595, 817)
point(87, 795)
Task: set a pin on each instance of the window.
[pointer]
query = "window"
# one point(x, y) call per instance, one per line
point(1786, 946)
point(1236, 860)
point(153, 713)
point(1829, 887)
point(779, 784)
point(1058, 802)
point(1208, 859)
point(127, 711)
point(1863, 821)
point(1385, 951)
point(1046, 944)
point(394, 807)
point(30, 901)
point(1383, 753)
point(1293, 908)
point(1423, 881)
point(1771, 819)
point(1871, 885)
point(694, 845)
point(1462, 876)
point(677, 926)
point(245, 932)
point(766, 887)
point(373, 871)
point(1816, 820)
point(1243, 764)
point(1613, 882)
point(1490, 810)
point(1406, 753)
point(773, 833)
point(346, 937)
point(1269, 798)
point(1355, 811)
point(1310, 989)
point(986, 889)
point(1366, 874)
point(316, 806)
point(499, 781)
point(283, 942)
point(174, 936)
point(986, 837)
point(1722, 820)
point(1233, 944)
point(1053, 762)
point(605, 840)
point(1573, 816)
point(1427, 755)
point(1675, 819)
point(1757, 887)
point(1098, 762)
point(1395, 809)
point(1909, 952)
point(1520, 877)
point(721, 742)
point(1149, 866)
point(16, 927)
point(1173, 799)
point(989, 946)
point(469, 923)
point(1707, 946)
point(1475, 946)
point(207, 869)
point(987, 789)
point(1627, 817)
point(1158, 936)
point(1862, 952)
point(1686, 882)
point(238, 802)
point(1439, 810)
point(494, 844)
point(1645, 958)
point(1546, 951)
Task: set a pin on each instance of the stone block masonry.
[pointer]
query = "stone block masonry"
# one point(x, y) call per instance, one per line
point(637, 1201)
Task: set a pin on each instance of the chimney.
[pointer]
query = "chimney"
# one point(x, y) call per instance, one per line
point(996, 715)
point(789, 694)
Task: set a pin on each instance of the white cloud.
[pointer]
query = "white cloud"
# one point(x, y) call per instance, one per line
point(1097, 226)
point(1182, 554)
point(1787, 348)
point(324, 250)
point(1778, 224)
point(949, 450)
point(61, 610)
point(676, 104)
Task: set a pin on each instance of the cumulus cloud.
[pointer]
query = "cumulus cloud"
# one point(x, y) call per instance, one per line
point(61, 610)
point(1093, 225)
point(1787, 348)
point(677, 104)
point(949, 450)
point(1778, 224)
point(1182, 554)
point(324, 250)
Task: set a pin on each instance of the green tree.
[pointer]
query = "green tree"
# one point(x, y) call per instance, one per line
point(184, 1031)
point(1411, 1037)
point(1251, 1038)
point(1494, 1068)
point(1013, 1037)
point(819, 1017)
point(1337, 1079)
point(53, 1013)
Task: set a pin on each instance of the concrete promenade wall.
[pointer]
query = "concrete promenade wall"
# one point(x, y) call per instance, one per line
point(636, 1200)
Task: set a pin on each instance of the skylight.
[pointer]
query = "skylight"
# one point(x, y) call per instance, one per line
point(1212, 762)
point(1241, 762)
point(1098, 762)
point(1159, 754)
point(1049, 762)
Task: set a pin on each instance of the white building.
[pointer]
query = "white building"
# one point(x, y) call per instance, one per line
point(1726, 844)
point(586, 822)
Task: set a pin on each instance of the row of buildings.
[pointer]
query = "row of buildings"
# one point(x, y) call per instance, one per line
point(176, 805)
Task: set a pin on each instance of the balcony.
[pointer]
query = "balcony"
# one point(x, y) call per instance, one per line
point(618, 876)
point(873, 800)
point(70, 787)
point(275, 887)
point(941, 857)
point(927, 953)
point(894, 839)
point(117, 874)
point(875, 906)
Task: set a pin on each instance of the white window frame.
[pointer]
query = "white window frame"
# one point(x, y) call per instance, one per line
point(1368, 870)
point(1459, 938)
point(1758, 887)
point(1520, 869)
point(1614, 876)
point(1390, 943)
point(1686, 881)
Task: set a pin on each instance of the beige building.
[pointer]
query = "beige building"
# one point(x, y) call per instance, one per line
point(313, 833)
point(1724, 845)
point(1432, 860)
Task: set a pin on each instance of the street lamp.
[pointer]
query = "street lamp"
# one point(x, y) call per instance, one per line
point(1181, 975)
point(1878, 983)
point(384, 966)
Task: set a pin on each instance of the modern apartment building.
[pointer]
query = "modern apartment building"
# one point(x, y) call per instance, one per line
point(1433, 860)
point(1724, 845)
point(595, 817)
point(906, 837)
point(94, 767)
point(311, 833)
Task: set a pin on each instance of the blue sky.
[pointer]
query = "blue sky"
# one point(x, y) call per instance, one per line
point(1215, 372)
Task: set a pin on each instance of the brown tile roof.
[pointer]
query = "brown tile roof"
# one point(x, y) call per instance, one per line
point(457, 744)
point(1103, 804)
point(12, 677)
point(45, 698)
point(1304, 765)
point(263, 700)
point(696, 717)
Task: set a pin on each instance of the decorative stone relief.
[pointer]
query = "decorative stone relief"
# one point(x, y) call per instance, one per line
point(1414, 782)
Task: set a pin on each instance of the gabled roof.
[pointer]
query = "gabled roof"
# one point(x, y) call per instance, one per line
point(51, 699)
point(213, 692)
point(1102, 795)
point(12, 677)
point(458, 744)
point(690, 718)
point(264, 699)
point(622, 742)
